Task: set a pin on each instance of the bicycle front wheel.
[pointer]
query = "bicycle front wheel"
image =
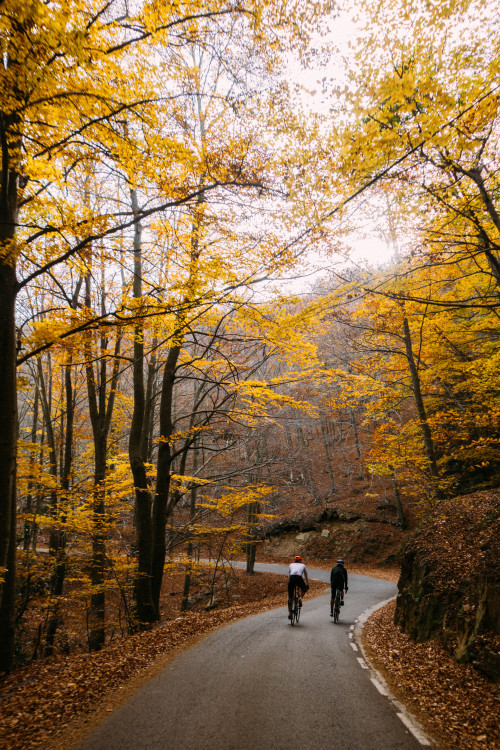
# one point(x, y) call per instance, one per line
point(336, 610)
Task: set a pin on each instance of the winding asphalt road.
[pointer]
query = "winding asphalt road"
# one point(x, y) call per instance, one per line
point(260, 684)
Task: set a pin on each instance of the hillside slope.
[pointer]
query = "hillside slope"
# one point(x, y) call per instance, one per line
point(449, 588)
point(360, 527)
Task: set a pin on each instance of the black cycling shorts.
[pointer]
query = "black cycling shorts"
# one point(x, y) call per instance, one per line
point(296, 581)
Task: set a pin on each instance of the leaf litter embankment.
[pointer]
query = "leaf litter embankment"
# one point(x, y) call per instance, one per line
point(455, 703)
point(448, 608)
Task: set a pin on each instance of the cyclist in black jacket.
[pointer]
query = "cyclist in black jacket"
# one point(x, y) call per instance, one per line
point(338, 582)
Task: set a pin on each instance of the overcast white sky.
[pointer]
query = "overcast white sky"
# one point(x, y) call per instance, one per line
point(366, 244)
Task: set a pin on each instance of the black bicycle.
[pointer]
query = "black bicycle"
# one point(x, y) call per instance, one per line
point(295, 606)
point(336, 606)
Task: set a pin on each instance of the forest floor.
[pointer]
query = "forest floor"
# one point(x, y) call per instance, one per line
point(54, 703)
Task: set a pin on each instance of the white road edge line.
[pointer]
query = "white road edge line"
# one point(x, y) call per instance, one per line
point(414, 730)
point(354, 647)
point(376, 678)
point(379, 686)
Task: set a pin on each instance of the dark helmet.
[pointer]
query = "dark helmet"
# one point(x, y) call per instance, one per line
point(297, 558)
point(340, 562)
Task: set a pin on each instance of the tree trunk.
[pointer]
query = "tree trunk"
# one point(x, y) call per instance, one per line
point(165, 449)
point(97, 617)
point(10, 144)
point(58, 536)
point(163, 475)
point(8, 453)
point(57, 539)
point(402, 522)
point(192, 514)
point(144, 609)
point(419, 402)
point(8, 604)
point(101, 404)
point(355, 432)
point(326, 444)
point(148, 426)
point(251, 547)
point(28, 508)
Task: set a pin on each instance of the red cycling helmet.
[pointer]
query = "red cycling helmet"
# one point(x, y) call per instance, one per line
point(297, 558)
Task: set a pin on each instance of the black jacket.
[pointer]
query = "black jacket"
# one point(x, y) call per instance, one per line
point(338, 577)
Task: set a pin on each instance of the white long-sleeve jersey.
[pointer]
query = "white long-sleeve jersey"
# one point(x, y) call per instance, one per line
point(297, 569)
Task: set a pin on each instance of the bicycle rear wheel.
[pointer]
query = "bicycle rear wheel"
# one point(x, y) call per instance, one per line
point(295, 609)
point(336, 609)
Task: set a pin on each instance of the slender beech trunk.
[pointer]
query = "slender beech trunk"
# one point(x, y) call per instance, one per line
point(326, 444)
point(189, 551)
point(144, 609)
point(402, 522)
point(97, 632)
point(251, 547)
point(101, 404)
point(253, 509)
point(355, 432)
point(419, 402)
point(58, 536)
point(161, 507)
point(8, 603)
point(147, 432)
point(29, 525)
point(32, 505)
point(160, 501)
point(57, 539)
point(8, 406)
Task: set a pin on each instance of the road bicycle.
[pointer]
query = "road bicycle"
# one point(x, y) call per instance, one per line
point(295, 606)
point(336, 606)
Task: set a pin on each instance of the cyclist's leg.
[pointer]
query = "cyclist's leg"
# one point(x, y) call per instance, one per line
point(332, 601)
point(291, 590)
point(292, 585)
point(303, 590)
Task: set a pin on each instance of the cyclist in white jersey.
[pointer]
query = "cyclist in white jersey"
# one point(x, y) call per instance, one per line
point(297, 576)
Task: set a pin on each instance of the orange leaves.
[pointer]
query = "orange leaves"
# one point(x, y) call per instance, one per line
point(235, 498)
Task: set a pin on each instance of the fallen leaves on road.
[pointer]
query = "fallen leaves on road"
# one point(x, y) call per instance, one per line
point(457, 705)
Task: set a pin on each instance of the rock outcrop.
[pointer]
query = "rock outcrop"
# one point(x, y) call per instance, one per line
point(449, 587)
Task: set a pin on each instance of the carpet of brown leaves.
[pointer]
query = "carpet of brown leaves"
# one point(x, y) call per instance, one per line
point(460, 538)
point(53, 703)
point(458, 706)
